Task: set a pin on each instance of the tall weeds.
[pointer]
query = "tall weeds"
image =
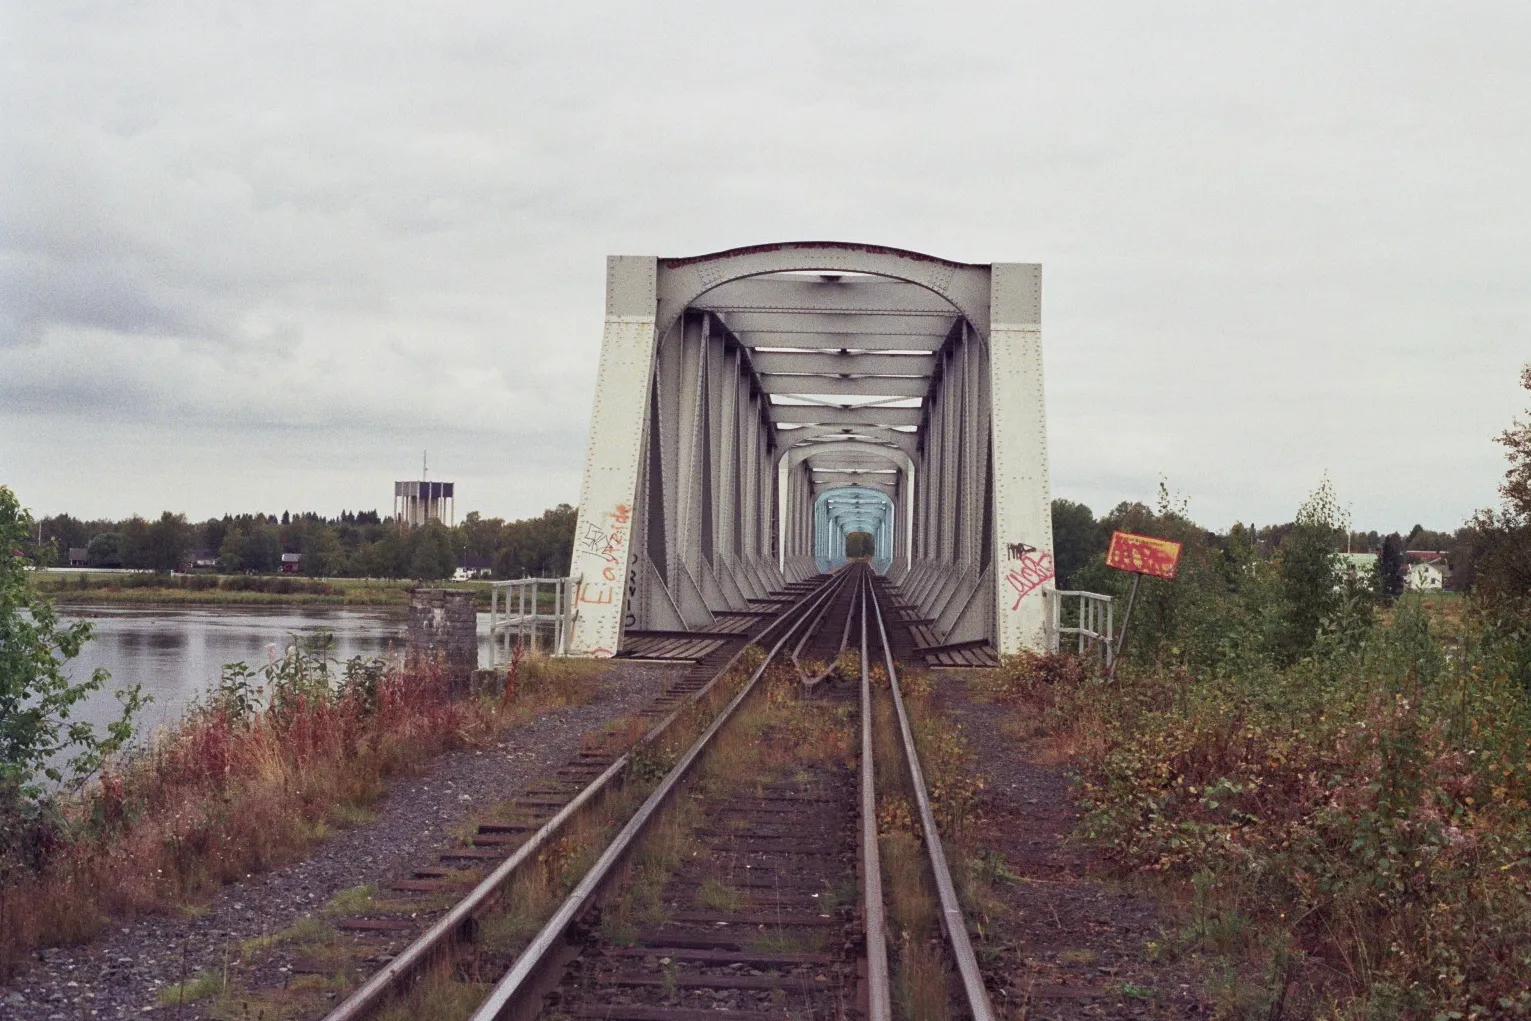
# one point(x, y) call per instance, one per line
point(1368, 806)
point(250, 778)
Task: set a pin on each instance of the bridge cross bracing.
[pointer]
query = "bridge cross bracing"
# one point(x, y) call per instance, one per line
point(748, 405)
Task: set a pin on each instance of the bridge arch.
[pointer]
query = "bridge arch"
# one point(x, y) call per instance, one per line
point(735, 388)
point(843, 510)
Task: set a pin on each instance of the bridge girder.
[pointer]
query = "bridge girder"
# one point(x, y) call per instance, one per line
point(737, 389)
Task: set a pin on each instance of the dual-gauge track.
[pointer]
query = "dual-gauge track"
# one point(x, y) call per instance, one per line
point(738, 877)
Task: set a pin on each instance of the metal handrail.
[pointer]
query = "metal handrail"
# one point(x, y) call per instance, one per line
point(951, 910)
point(1097, 625)
point(528, 616)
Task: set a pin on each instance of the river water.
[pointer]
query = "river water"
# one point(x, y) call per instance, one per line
point(177, 652)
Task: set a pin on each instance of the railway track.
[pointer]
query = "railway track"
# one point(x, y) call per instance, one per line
point(747, 885)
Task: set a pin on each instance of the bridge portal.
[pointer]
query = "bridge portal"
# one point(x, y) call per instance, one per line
point(844, 511)
point(739, 392)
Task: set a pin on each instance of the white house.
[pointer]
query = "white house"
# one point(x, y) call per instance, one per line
point(1425, 576)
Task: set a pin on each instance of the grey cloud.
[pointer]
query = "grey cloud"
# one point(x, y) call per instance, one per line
point(1277, 240)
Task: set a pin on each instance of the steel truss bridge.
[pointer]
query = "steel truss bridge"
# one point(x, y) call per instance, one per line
point(755, 407)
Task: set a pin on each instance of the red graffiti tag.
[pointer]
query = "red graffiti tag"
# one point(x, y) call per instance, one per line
point(1029, 574)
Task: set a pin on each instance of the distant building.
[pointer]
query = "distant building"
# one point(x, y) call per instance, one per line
point(472, 567)
point(292, 563)
point(1428, 571)
point(77, 556)
point(1364, 565)
point(415, 503)
point(202, 560)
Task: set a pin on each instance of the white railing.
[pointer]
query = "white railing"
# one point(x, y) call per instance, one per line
point(1094, 624)
point(517, 616)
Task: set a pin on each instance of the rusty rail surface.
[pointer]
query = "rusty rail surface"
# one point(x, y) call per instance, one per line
point(952, 921)
point(810, 816)
point(507, 994)
point(452, 927)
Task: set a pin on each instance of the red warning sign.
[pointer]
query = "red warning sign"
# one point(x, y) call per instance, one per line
point(1143, 554)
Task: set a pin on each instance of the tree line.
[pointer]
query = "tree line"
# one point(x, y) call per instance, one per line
point(1271, 591)
point(1079, 538)
point(355, 544)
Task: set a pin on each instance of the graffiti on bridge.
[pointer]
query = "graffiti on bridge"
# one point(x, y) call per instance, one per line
point(603, 546)
point(1029, 569)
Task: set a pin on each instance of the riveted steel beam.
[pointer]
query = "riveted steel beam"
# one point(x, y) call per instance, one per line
point(875, 386)
point(876, 436)
point(810, 294)
point(812, 414)
point(842, 364)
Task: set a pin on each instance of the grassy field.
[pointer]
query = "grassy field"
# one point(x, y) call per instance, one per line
point(86, 587)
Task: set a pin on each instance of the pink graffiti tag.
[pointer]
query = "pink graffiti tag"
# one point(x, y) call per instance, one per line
point(1029, 573)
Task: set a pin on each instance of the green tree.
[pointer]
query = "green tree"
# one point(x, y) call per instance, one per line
point(134, 543)
point(1310, 574)
point(1390, 568)
point(105, 550)
point(168, 540)
point(1517, 480)
point(431, 557)
point(1494, 552)
point(1077, 539)
point(261, 551)
point(323, 556)
point(231, 552)
point(37, 698)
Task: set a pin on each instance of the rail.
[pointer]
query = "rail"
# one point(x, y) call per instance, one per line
point(509, 990)
point(952, 921)
point(515, 610)
point(879, 983)
point(457, 922)
point(517, 993)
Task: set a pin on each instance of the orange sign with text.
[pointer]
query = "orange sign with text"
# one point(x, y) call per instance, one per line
point(1143, 554)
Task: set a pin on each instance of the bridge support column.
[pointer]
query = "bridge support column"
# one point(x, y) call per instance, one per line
point(603, 541)
point(1023, 527)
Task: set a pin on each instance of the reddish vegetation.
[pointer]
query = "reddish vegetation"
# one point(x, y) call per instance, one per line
point(237, 789)
point(1350, 831)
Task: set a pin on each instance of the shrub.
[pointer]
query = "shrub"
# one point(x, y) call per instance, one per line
point(1372, 801)
point(265, 765)
point(36, 700)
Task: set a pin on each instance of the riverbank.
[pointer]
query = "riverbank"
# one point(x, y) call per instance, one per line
point(134, 969)
point(237, 589)
point(237, 789)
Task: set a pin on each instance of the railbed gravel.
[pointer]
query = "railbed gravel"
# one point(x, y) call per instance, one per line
point(1071, 939)
point(119, 973)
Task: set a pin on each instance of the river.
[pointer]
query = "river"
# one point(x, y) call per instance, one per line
point(177, 652)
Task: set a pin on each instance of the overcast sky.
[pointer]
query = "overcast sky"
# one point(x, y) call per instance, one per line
point(260, 255)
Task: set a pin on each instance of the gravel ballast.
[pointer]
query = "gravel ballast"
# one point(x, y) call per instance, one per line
point(118, 974)
point(1070, 940)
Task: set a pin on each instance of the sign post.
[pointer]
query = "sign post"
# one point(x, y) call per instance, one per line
point(1140, 554)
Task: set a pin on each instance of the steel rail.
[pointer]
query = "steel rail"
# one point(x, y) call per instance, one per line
point(370, 995)
point(502, 998)
point(951, 910)
point(880, 994)
point(808, 633)
point(811, 683)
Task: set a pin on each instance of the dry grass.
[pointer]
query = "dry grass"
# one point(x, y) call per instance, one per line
point(224, 795)
point(919, 966)
point(441, 995)
point(1349, 832)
